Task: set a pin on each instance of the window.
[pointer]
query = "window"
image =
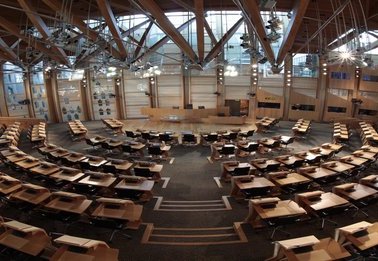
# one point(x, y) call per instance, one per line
point(340, 75)
point(303, 107)
point(337, 109)
point(271, 105)
point(370, 78)
point(367, 112)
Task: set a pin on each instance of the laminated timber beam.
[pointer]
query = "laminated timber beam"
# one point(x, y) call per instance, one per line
point(200, 29)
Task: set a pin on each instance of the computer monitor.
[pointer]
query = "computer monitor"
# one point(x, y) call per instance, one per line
point(189, 106)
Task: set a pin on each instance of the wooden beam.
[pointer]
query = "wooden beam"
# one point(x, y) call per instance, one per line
point(185, 5)
point(8, 50)
point(292, 29)
point(200, 29)
point(218, 47)
point(166, 26)
point(251, 12)
point(164, 40)
point(77, 21)
point(210, 32)
point(340, 41)
point(13, 29)
point(42, 28)
point(110, 20)
point(142, 40)
point(124, 34)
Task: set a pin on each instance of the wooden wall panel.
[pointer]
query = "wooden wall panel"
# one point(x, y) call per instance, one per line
point(264, 96)
point(336, 101)
point(169, 91)
point(135, 99)
point(202, 90)
point(298, 98)
point(236, 88)
point(341, 83)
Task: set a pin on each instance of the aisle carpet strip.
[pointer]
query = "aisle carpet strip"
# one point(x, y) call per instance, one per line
point(194, 236)
point(201, 205)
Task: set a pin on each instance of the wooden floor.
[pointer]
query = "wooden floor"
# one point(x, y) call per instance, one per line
point(177, 127)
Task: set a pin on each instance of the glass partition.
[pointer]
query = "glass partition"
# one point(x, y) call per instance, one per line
point(39, 96)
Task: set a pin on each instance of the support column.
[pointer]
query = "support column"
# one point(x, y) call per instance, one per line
point(28, 96)
point(118, 87)
point(254, 81)
point(287, 85)
point(322, 88)
point(86, 92)
point(53, 112)
point(3, 102)
point(52, 75)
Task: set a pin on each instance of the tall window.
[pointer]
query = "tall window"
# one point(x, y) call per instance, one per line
point(38, 92)
point(305, 65)
point(15, 91)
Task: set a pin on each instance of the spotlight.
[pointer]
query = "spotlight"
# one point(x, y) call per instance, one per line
point(273, 37)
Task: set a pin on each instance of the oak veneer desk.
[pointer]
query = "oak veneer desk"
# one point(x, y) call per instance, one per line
point(113, 144)
point(354, 191)
point(94, 161)
point(371, 181)
point(353, 160)
point(240, 183)
point(309, 156)
point(153, 167)
point(74, 157)
point(68, 174)
point(59, 153)
point(286, 178)
point(98, 179)
point(32, 194)
point(317, 201)
point(326, 153)
point(118, 209)
point(338, 166)
point(230, 166)
point(122, 166)
point(68, 202)
point(317, 173)
point(97, 140)
point(18, 156)
point(47, 149)
point(335, 147)
point(44, 169)
point(27, 163)
point(137, 184)
point(362, 235)
point(263, 163)
point(365, 154)
point(94, 250)
point(9, 184)
point(9, 152)
point(268, 208)
point(308, 248)
point(289, 160)
point(369, 148)
point(24, 238)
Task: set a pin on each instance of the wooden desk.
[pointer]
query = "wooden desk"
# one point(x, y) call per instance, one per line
point(371, 181)
point(118, 209)
point(18, 156)
point(68, 202)
point(268, 142)
point(94, 250)
point(45, 169)
point(68, 174)
point(317, 173)
point(322, 151)
point(249, 183)
point(94, 161)
point(354, 191)
point(135, 183)
point(12, 150)
point(262, 163)
point(363, 235)
point(29, 240)
point(98, 139)
point(48, 148)
point(9, 184)
point(285, 178)
point(364, 154)
point(308, 156)
point(369, 148)
point(317, 250)
point(230, 166)
point(32, 194)
point(338, 166)
point(74, 157)
point(332, 146)
point(155, 168)
point(98, 179)
point(267, 208)
point(59, 153)
point(316, 201)
point(353, 160)
point(113, 144)
point(122, 166)
point(27, 163)
point(288, 160)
